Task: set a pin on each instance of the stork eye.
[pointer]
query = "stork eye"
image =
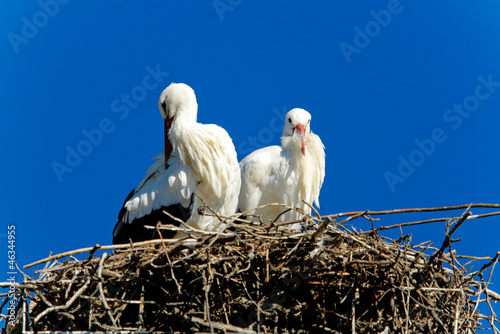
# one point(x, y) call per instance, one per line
point(164, 106)
point(289, 120)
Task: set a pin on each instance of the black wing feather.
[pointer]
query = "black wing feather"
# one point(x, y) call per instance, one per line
point(136, 231)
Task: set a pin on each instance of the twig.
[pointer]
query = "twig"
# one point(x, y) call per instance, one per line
point(322, 227)
point(410, 210)
point(67, 304)
point(87, 249)
point(219, 326)
point(446, 241)
point(101, 292)
point(492, 294)
point(313, 209)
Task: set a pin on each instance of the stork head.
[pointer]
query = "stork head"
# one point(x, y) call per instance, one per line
point(297, 127)
point(178, 98)
point(177, 101)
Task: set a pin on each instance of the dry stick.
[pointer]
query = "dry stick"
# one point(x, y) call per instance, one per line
point(247, 212)
point(419, 222)
point(322, 227)
point(492, 269)
point(328, 220)
point(198, 232)
point(407, 304)
point(25, 311)
point(141, 307)
point(443, 208)
point(208, 207)
point(314, 209)
point(368, 217)
point(68, 303)
point(431, 310)
point(353, 319)
point(427, 288)
point(87, 249)
point(42, 297)
point(476, 304)
point(168, 214)
point(491, 319)
point(454, 262)
point(289, 208)
point(485, 266)
point(480, 288)
point(101, 292)
point(281, 214)
point(457, 313)
point(434, 220)
point(120, 300)
point(172, 273)
point(493, 315)
point(267, 265)
point(446, 241)
point(170, 264)
point(435, 316)
point(206, 304)
point(493, 295)
point(221, 220)
point(70, 285)
point(356, 216)
point(219, 326)
point(293, 249)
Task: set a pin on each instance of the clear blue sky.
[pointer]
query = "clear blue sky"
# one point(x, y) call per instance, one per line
point(404, 94)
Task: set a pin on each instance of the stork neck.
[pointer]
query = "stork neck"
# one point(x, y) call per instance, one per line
point(186, 113)
point(293, 146)
point(168, 143)
point(183, 124)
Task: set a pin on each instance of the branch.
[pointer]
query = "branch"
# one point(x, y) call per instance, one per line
point(442, 208)
point(446, 241)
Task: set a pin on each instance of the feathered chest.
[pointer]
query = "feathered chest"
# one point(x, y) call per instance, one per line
point(203, 149)
point(300, 175)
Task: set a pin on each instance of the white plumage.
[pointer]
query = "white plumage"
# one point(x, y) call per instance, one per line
point(286, 174)
point(198, 158)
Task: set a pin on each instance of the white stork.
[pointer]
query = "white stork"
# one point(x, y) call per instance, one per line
point(198, 159)
point(286, 174)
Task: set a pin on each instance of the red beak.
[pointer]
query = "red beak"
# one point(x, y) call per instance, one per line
point(168, 144)
point(302, 132)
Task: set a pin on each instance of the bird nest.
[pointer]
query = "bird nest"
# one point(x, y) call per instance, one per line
point(257, 278)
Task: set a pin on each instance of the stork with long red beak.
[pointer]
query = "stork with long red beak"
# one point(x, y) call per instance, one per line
point(287, 174)
point(198, 159)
